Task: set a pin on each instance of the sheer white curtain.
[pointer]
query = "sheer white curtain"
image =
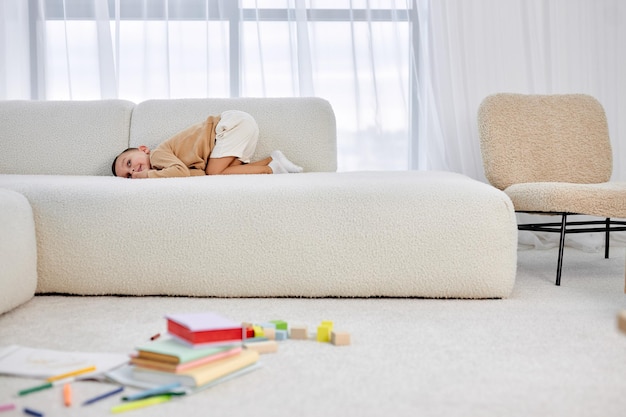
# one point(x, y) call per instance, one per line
point(405, 77)
point(528, 46)
point(14, 50)
point(481, 47)
point(355, 53)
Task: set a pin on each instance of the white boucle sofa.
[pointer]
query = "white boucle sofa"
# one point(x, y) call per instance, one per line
point(315, 234)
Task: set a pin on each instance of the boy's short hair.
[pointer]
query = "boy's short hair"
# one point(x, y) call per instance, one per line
point(115, 160)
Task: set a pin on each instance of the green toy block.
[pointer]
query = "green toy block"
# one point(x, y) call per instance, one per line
point(280, 324)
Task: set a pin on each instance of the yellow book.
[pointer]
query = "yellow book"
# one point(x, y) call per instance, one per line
point(200, 375)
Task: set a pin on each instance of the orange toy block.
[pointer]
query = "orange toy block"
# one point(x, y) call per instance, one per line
point(340, 338)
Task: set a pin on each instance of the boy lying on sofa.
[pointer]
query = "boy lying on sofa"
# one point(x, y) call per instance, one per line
point(221, 145)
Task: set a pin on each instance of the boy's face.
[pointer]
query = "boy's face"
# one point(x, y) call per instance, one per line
point(133, 161)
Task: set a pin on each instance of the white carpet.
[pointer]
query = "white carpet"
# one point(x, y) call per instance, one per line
point(545, 351)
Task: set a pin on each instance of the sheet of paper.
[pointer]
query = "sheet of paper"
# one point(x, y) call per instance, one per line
point(43, 363)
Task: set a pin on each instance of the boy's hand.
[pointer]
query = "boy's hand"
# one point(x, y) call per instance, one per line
point(140, 174)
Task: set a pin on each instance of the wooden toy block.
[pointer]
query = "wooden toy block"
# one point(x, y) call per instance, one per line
point(281, 334)
point(327, 323)
point(323, 333)
point(280, 324)
point(270, 332)
point(268, 325)
point(299, 332)
point(268, 346)
point(258, 331)
point(340, 338)
point(249, 332)
point(621, 321)
point(256, 339)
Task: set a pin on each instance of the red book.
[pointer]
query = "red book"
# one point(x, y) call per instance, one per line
point(204, 328)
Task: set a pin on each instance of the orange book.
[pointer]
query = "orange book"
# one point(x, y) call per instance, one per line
point(180, 367)
point(200, 375)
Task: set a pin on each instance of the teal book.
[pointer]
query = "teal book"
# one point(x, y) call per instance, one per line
point(174, 352)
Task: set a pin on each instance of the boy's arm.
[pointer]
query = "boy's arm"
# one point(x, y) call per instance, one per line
point(185, 154)
point(165, 165)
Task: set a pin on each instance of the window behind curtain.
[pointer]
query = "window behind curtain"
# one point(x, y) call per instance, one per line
point(359, 55)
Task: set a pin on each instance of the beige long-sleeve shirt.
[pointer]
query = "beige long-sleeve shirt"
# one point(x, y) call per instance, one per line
point(186, 153)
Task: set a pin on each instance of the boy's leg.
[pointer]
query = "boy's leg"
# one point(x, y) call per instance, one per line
point(265, 161)
point(230, 165)
point(279, 157)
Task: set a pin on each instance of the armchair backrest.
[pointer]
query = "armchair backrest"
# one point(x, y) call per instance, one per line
point(544, 138)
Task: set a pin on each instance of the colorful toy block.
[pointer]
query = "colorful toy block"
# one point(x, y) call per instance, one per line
point(280, 324)
point(249, 332)
point(323, 333)
point(621, 321)
point(258, 335)
point(270, 332)
point(256, 339)
point(324, 330)
point(299, 332)
point(340, 338)
point(281, 334)
point(258, 331)
point(327, 323)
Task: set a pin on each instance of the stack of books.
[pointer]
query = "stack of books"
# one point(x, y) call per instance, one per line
point(202, 348)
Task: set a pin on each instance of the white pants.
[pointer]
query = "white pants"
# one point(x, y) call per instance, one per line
point(237, 134)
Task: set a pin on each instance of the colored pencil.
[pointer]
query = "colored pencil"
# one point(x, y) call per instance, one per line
point(67, 395)
point(30, 390)
point(103, 396)
point(163, 389)
point(140, 403)
point(72, 373)
point(32, 412)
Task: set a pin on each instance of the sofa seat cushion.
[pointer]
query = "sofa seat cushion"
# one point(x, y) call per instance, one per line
point(358, 234)
point(18, 250)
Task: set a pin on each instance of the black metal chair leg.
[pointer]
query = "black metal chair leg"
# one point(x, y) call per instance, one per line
point(606, 238)
point(565, 227)
point(561, 247)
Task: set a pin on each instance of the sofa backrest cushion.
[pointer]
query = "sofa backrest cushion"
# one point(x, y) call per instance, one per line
point(62, 137)
point(303, 128)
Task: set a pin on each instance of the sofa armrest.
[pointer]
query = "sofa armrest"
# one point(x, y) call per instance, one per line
point(18, 250)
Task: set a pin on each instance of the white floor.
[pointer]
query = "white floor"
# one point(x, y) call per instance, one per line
point(545, 351)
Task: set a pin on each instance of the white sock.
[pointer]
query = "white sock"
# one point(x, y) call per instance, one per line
point(276, 167)
point(282, 159)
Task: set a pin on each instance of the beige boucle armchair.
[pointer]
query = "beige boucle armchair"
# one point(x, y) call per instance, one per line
point(551, 154)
